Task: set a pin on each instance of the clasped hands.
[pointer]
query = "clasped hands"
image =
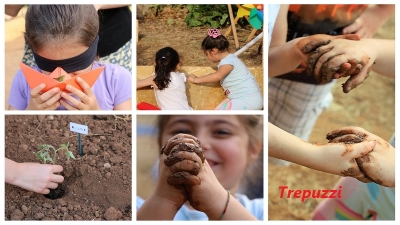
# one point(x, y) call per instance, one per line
point(377, 166)
point(333, 57)
point(185, 175)
point(55, 97)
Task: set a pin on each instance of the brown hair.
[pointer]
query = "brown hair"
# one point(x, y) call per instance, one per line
point(52, 24)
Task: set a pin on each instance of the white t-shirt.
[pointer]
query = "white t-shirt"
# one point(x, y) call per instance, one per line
point(174, 96)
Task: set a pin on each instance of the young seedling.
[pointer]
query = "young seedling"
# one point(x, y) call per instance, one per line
point(48, 153)
point(60, 78)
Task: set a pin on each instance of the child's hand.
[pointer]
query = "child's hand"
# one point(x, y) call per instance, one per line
point(308, 48)
point(345, 58)
point(191, 78)
point(379, 164)
point(45, 101)
point(87, 98)
point(173, 163)
point(37, 177)
point(210, 196)
point(191, 170)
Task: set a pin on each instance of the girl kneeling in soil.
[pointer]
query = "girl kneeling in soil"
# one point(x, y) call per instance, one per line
point(239, 85)
point(168, 83)
point(66, 36)
point(230, 144)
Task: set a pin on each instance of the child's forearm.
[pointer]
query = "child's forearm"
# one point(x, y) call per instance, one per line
point(156, 209)
point(212, 77)
point(234, 211)
point(286, 146)
point(10, 171)
point(385, 59)
point(284, 58)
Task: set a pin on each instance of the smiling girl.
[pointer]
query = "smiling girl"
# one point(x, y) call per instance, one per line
point(230, 143)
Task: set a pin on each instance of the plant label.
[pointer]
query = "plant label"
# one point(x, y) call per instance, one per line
point(78, 128)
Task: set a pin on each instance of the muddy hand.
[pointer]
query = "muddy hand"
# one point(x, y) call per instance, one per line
point(378, 165)
point(185, 158)
point(343, 58)
point(311, 46)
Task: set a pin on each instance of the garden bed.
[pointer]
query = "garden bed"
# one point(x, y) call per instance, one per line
point(98, 184)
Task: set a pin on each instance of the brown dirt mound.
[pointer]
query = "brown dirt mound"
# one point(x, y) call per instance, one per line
point(97, 185)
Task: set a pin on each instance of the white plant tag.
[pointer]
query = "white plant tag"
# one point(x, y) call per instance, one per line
point(82, 129)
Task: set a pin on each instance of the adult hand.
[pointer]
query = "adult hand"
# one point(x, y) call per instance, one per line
point(379, 164)
point(87, 98)
point(44, 101)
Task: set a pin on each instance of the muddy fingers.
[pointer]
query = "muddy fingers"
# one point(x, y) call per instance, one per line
point(179, 138)
point(347, 139)
point(185, 158)
point(313, 59)
point(183, 178)
point(312, 45)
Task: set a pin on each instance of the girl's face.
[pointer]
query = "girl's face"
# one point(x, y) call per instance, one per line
point(68, 50)
point(224, 140)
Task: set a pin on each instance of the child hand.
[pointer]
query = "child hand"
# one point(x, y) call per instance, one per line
point(191, 78)
point(45, 101)
point(379, 164)
point(37, 177)
point(309, 49)
point(311, 43)
point(342, 54)
point(87, 98)
point(339, 158)
point(176, 166)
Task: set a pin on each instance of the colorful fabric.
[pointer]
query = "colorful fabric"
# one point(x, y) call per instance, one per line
point(360, 201)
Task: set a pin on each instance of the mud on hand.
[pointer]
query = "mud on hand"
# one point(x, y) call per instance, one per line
point(374, 165)
point(185, 158)
point(310, 46)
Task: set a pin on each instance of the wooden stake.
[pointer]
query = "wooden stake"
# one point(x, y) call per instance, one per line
point(233, 26)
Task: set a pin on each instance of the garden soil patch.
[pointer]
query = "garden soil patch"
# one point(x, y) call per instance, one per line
point(97, 185)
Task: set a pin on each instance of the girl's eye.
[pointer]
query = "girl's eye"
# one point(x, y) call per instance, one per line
point(181, 131)
point(222, 133)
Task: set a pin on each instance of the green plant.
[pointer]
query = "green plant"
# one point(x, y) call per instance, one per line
point(60, 78)
point(48, 153)
point(213, 16)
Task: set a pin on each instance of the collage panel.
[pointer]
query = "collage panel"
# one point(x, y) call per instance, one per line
point(331, 112)
point(68, 57)
point(190, 57)
point(68, 167)
point(199, 167)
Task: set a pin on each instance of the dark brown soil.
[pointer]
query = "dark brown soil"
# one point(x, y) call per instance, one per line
point(97, 185)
